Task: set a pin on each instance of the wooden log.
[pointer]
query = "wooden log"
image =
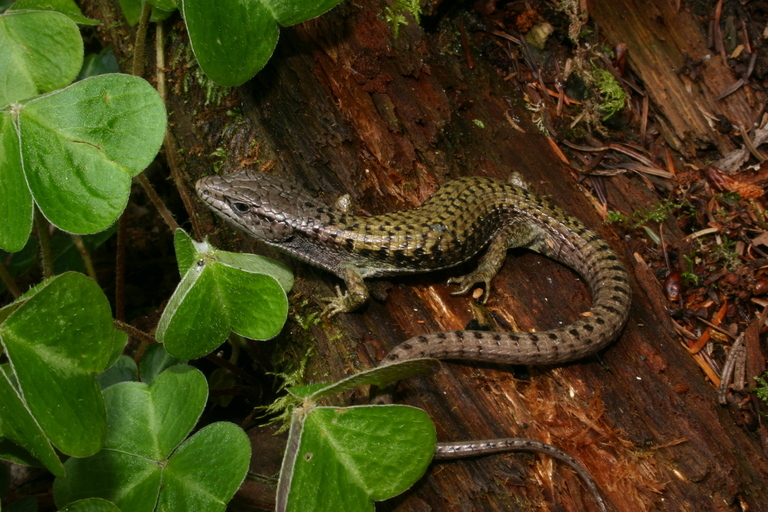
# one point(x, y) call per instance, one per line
point(343, 107)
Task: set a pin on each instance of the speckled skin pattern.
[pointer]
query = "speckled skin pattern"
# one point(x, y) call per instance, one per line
point(461, 449)
point(459, 220)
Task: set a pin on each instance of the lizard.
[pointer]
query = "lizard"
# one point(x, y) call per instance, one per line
point(458, 221)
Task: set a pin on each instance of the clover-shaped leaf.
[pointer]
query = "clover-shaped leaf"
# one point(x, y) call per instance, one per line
point(132, 10)
point(91, 505)
point(251, 36)
point(39, 52)
point(380, 377)
point(219, 292)
point(49, 393)
point(67, 7)
point(347, 458)
point(144, 465)
point(77, 150)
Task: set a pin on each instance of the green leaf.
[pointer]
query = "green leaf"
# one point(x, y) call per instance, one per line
point(129, 481)
point(11, 451)
point(119, 341)
point(163, 413)
point(187, 253)
point(91, 505)
point(100, 63)
point(124, 370)
point(66, 7)
point(380, 377)
point(40, 51)
point(166, 5)
point(218, 293)
point(155, 361)
point(346, 458)
point(80, 147)
point(190, 485)
point(251, 36)
point(55, 361)
point(132, 10)
point(256, 264)
point(19, 426)
point(290, 12)
point(306, 391)
point(138, 467)
point(16, 206)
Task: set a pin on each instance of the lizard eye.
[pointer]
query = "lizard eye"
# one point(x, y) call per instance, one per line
point(240, 207)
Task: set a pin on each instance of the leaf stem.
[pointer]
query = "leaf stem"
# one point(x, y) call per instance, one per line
point(122, 226)
point(169, 143)
point(86, 256)
point(137, 67)
point(165, 213)
point(44, 239)
point(145, 339)
point(9, 282)
point(134, 332)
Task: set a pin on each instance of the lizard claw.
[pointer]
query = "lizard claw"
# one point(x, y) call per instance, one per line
point(334, 305)
point(466, 282)
point(343, 302)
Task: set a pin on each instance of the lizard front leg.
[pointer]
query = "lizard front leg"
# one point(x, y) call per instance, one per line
point(355, 296)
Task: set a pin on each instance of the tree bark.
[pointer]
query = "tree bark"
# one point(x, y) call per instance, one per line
point(344, 107)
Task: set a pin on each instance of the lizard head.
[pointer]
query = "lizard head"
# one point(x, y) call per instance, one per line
point(252, 201)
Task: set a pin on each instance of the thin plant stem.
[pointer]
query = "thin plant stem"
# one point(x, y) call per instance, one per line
point(122, 226)
point(169, 144)
point(44, 239)
point(86, 256)
point(137, 67)
point(9, 282)
point(160, 59)
point(134, 332)
point(165, 213)
point(145, 340)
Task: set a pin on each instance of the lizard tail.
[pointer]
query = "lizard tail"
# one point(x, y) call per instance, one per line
point(608, 281)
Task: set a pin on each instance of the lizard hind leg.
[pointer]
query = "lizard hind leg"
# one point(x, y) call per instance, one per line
point(517, 180)
point(511, 235)
point(344, 204)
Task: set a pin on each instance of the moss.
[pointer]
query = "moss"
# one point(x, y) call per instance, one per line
point(395, 15)
point(657, 213)
point(762, 387)
point(280, 410)
point(613, 95)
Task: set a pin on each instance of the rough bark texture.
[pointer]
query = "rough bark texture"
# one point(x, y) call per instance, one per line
point(343, 107)
point(659, 37)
